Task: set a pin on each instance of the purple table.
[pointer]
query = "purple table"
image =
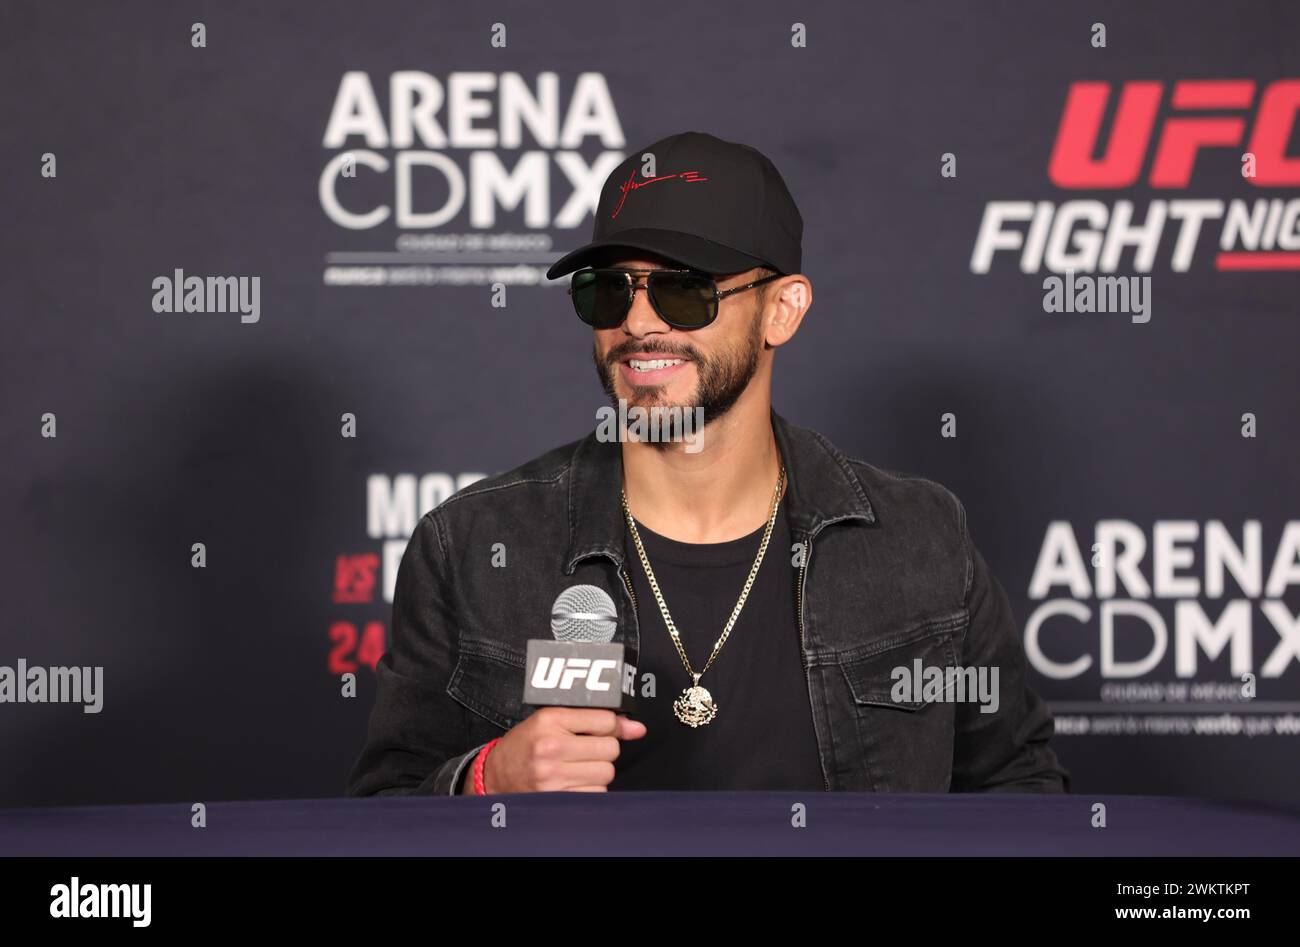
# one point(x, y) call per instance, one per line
point(649, 823)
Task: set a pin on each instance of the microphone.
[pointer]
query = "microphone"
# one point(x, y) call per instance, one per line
point(581, 667)
point(584, 613)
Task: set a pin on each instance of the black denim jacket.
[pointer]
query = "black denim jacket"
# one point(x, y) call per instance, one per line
point(889, 576)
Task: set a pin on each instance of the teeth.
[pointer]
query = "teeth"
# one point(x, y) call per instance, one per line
point(642, 365)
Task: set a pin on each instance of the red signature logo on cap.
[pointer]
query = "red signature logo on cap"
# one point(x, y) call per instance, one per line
point(631, 184)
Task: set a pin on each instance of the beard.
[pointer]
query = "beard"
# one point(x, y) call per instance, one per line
point(722, 378)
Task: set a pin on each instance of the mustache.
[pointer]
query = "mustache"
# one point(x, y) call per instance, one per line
point(663, 349)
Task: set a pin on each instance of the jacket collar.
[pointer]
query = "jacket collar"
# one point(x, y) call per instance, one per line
point(822, 490)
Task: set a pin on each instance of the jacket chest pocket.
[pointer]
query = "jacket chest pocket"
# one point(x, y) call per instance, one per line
point(489, 679)
point(904, 726)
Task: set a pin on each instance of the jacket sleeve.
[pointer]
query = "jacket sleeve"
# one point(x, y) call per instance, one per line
point(416, 743)
point(1007, 750)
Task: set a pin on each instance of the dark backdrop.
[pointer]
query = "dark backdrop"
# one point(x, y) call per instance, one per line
point(177, 428)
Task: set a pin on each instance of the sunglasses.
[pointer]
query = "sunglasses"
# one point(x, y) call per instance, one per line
point(685, 299)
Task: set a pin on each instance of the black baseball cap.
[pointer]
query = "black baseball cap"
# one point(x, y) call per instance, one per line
point(711, 205)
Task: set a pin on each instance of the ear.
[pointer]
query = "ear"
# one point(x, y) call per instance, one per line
point(784, 306)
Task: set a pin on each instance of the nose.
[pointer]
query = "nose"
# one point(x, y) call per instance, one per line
point(642, 320)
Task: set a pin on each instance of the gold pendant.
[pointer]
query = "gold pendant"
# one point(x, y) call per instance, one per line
point(695, 707)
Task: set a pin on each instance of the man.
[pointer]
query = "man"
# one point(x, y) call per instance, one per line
point(786, 603)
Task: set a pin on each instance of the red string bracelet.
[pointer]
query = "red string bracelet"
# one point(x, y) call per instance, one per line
point(479, 788)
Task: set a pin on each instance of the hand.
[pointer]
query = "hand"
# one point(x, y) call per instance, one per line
point(557, 749)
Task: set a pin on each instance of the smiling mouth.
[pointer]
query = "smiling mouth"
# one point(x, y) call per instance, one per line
point(642, 365)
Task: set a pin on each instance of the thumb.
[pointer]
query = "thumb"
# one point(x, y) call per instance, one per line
point(629, 729)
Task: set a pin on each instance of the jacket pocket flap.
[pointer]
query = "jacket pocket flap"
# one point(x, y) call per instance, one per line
point(489, 680)
point(870, 669)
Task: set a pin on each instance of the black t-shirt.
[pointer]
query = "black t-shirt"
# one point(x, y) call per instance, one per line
point(762, 736)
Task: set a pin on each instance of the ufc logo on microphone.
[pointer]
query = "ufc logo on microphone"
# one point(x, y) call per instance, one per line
point(565, 673)
point(579, 674)
point(1074, 166)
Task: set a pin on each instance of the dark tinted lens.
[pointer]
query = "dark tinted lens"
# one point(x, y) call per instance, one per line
point(600, 298)
point(684, 300)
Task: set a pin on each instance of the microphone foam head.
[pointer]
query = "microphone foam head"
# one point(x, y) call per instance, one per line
point(584, 613)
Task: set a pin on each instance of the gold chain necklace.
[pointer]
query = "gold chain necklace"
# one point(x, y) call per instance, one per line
point(695, 706)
